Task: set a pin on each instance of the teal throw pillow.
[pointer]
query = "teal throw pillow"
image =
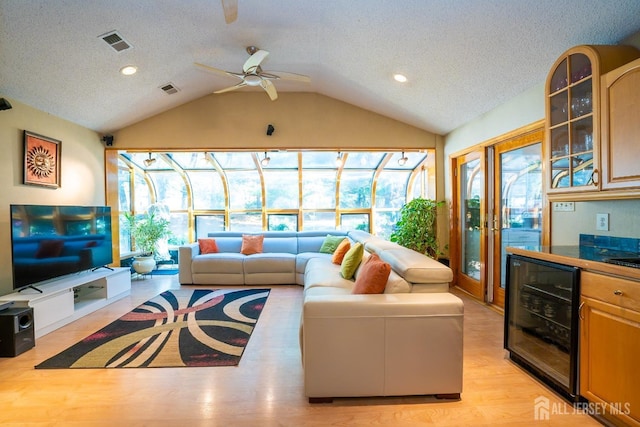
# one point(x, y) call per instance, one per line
point(330, 244)
point(351, 261)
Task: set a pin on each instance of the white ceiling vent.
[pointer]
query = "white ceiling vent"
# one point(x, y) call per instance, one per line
point(116, 41)
point(169, 88)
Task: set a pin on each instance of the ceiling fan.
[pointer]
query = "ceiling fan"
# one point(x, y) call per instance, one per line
point(253, 75)
point(230, 10)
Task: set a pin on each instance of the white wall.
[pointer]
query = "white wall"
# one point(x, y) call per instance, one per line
point(82, 170)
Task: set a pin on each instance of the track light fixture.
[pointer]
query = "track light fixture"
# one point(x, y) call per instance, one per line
point(339, 160)
point(265, 161)
point(148, 162)
point(403, 160)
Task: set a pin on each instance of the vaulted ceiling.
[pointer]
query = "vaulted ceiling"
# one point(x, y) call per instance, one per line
point(462, 58)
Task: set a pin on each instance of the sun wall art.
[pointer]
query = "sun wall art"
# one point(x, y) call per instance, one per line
point(41, 160)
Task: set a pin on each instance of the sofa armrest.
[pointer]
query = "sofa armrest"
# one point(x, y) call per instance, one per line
point(186, 253)
point(382, 345)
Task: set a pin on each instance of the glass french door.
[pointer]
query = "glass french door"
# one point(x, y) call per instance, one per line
point(470, 235)
point(517, 212)
point(497, 202)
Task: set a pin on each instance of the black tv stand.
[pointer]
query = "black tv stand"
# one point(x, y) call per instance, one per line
point(102, 266)
point(30, 286)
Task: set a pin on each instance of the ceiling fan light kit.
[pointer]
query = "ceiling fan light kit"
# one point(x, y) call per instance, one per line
point(253, 75)
point(230, 8)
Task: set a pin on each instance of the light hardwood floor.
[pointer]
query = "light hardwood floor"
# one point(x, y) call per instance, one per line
point(265, 389)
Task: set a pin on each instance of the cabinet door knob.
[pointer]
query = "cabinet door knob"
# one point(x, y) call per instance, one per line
point(618, 292)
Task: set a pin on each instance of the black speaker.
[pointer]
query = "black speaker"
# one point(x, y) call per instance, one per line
point(4, 104)
point(16, 331)
point(270, 129)
point(108, 140)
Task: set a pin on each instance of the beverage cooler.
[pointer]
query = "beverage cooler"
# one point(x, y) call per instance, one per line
point(541, 321)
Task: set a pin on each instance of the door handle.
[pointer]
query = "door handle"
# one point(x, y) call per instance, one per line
point(580, 311)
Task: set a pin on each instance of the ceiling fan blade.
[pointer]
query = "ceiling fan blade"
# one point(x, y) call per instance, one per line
point(230, 10)
point(216, 70)
point(270, 89)
point(229, 89)
point(283, 75)
point(254, 61)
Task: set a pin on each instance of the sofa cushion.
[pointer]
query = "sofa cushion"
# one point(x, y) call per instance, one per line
point(330, 244)
point(303, 258)
point(415, 267)
point(373, 276)
point(226, 263)
point(351, 260)
point(208, 246)
point(341, 251)
point(323, 291)
point(376, 245)
point(311, 241)
point(229, 244)
point(270, 263)
point(252, 244)
point(280, 245)
point(322, 273)
point(397, 285)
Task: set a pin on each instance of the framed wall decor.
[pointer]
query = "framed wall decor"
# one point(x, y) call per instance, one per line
point(41, 160)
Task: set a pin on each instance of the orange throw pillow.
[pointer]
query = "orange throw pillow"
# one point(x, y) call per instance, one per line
point(372, 277)
point(340, 252)
point(208, 246)
point(252, 244)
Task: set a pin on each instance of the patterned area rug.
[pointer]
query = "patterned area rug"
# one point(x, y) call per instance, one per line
point(185, 327)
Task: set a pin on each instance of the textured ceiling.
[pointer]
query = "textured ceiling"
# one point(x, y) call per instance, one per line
point(462, 57)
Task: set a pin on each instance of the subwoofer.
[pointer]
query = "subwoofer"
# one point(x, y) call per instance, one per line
point(16, 331)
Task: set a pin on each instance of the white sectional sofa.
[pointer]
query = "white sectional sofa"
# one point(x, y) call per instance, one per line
point(405, 341)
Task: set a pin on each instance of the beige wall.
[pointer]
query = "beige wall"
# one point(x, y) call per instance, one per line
point(566, 227)
point(239, 120)
point(82, 163)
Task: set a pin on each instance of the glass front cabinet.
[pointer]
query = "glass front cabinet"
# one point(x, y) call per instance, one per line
point(573, 115)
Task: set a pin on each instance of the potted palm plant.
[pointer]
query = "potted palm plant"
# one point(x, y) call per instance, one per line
point(416, 228)
point(147, 230)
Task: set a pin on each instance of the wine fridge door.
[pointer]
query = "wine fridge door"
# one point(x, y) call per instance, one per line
point(541, 321)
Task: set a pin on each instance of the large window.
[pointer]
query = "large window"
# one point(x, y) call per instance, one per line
point(283, 190)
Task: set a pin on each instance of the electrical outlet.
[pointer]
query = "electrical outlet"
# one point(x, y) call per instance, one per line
point(602, 222)
point(564, 207)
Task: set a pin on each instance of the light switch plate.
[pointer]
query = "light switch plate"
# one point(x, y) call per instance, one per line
point(602, 222)
point(564, 207)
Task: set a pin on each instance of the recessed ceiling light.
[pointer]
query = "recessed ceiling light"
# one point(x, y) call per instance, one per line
point(400, 78)
point(128, 70)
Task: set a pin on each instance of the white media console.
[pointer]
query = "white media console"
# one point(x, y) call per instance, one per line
point(69, 298)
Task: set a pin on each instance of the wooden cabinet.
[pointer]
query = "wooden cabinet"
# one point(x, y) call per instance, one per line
point(610, 345)
point(573, 115)
point(621, 127)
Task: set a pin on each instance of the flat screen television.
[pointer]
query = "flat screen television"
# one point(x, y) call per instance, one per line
point(48, 242)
